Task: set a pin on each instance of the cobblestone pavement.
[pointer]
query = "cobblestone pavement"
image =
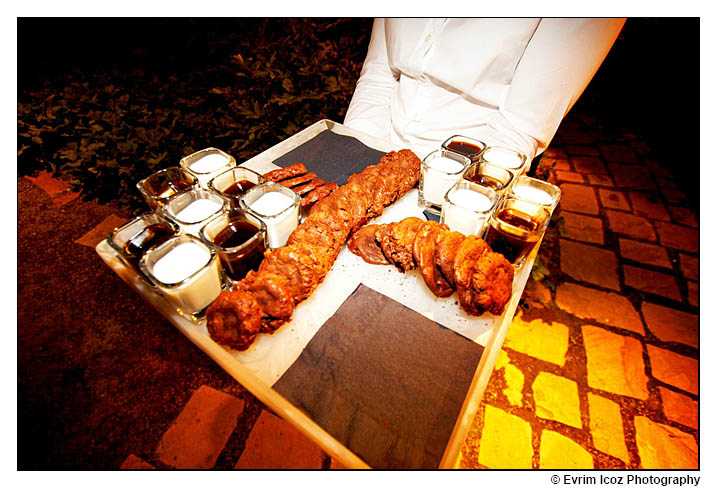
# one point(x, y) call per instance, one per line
point(599, 368)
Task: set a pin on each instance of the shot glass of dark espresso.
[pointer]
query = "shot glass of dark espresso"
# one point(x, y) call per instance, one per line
point(158, 188)
point(465, 146)
point(488, 175)
point(233, 183)
point(239, 240)
point(515, 227)
point(135, 238)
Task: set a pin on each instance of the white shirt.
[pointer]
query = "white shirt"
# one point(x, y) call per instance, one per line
point(507, 82)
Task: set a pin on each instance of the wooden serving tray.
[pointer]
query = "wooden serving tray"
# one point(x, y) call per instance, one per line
point(270, 356)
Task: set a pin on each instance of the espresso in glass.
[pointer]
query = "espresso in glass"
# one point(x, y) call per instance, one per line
point(238, 239)
point(238, 188)
point(514, 228)
point(159, 187)
point(149, 237)
point(135, 238)
point(465, 146)
point(494, 177)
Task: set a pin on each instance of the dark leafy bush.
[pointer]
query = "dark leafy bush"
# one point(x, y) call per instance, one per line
point(241, 85)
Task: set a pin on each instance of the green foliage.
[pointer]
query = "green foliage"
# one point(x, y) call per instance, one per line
point(260, 84)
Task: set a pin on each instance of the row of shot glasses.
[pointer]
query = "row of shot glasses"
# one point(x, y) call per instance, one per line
point(483, 190)
point(211, 223)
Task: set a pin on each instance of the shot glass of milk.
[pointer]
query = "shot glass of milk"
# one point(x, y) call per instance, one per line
point(193, 209)
point(440, 170)
point(466, 207)
point(507, 158)
point(186, 271)
point(207, 164)
point(537, 191)
point(277, 207)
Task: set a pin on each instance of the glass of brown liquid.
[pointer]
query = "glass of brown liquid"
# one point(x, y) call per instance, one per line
point(158, 188)
point(515, 227)
point(492, 176)
point(233, 183)
point(138, 236)
point(239, 240)
point(465, 146)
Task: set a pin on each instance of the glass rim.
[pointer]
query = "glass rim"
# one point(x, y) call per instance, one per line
point(443, 152)
point(144, 266)
point(274, 187)
point(186, 161)
point(479, 164)
point(111, 236)
point(532, 180)
point(468, 139)
point(494, 195)
point(260, 234)
point(210, 184)
point(141, 184)
point(212, 196)
point(503, 204)
point(504, 149)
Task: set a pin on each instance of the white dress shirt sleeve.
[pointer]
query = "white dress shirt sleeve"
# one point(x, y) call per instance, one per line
point(370, 105)
point(557, 65)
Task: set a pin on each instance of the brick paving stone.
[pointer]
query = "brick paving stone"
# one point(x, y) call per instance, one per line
point(679, 237)
point(689, 266)
point(630, 225)
point(568, 176)
point(618, 153)
point(613, 199)
point(539, 339)
point(640, 147)
point(670, 324)
point(683, 216)
point(505, 441)
point(581, 150)
point(579, 198)
point(647, 205)
point(664, 447)
point(582, 228)
point(644, 252)
point(513, 377)
point(276, 445)
point(589, 264)
point(133, 462)
point(679, 408)
point(631, 176)
point(558, 452)
point(563, 165)
point(670, 190)
point(604, 307)
point(607, 426)
point(614, 363)
point(555, 152)
point(65, 199)
point(674, 369)
point(198, 435)
point(651, 281)
point(589, 165)
point(692, 292)
point(50, 185)
point(101, 231)
point(600, 180)
point(657, 169)
point(556, 398)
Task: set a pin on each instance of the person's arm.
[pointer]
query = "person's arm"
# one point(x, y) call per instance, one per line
point(369, 108)
point(559, 62)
